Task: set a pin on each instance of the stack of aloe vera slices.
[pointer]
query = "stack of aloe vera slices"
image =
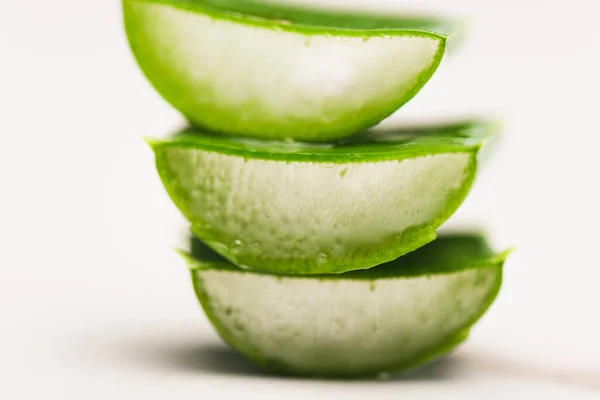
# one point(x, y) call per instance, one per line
point(314, 247)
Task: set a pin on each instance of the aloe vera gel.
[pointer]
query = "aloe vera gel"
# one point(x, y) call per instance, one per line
point(314, 247)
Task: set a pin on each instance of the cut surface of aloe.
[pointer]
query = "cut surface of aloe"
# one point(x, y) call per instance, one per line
point(272, 72)
point(310, 209)
point(392, 317)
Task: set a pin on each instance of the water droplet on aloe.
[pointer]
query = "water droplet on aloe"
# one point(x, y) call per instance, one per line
point(237, 246)
point(321, 258)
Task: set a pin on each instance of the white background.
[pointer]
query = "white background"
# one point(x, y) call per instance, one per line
point(94, 303)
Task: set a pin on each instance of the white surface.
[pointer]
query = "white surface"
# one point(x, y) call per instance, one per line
point(94, 303)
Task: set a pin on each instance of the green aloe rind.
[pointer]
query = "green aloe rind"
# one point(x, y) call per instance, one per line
point(298, 208)
point(390, 318)
point(328, 21)
point(273, 72)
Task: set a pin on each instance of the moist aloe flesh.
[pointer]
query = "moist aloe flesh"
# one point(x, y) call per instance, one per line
point(393, 317)
point(265, 72)
point(296, 208)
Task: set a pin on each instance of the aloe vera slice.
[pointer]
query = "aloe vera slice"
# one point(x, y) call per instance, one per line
point(392, 317)
point(254, 70)
point(310, 209)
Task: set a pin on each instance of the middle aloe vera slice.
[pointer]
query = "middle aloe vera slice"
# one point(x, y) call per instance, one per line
point(313, 209)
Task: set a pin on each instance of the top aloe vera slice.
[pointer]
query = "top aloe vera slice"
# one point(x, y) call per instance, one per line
point(298, 208)
point(274, 72)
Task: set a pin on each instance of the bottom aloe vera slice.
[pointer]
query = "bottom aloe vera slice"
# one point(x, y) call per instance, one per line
point(392, 317)
point(300, 208)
